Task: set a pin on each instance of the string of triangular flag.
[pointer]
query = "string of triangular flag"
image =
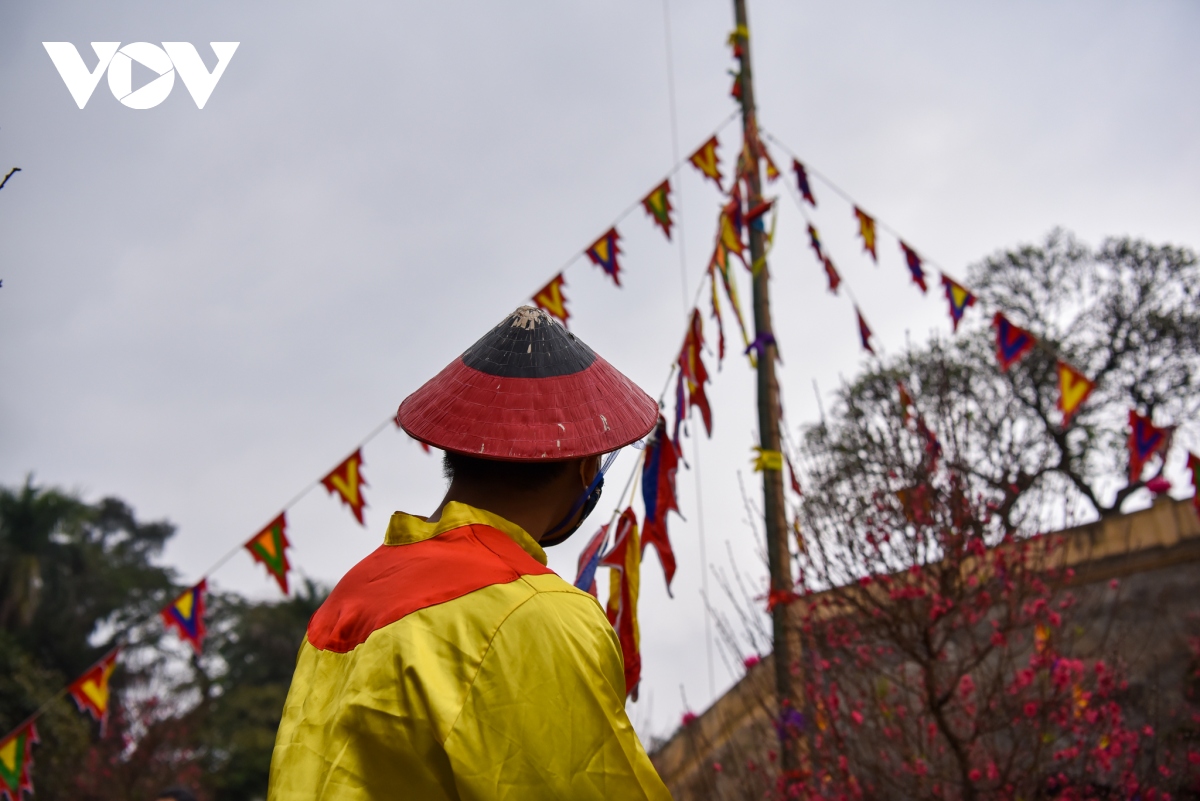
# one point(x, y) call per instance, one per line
point(606, 253)
point(1012, 342)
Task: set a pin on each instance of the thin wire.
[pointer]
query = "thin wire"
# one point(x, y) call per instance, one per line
point(846, 197)
point(1039, 342)
point(675, 145)
point(679, 163)
point(708, 641)
point(295, 499)
point(119, 639)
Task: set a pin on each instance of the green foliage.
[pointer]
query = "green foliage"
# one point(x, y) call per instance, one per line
point(76, 578)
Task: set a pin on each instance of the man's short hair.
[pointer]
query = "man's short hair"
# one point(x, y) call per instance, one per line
point(518, 476)
point(175, 794)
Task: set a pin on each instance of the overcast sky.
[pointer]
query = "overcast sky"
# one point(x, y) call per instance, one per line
point(203, 311)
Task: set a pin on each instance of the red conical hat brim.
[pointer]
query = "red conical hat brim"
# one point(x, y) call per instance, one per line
point(587, 413)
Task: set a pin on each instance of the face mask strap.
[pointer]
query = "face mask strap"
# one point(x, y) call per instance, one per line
point(552, 537)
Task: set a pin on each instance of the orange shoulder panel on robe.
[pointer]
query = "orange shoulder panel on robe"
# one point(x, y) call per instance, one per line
point(451, 663)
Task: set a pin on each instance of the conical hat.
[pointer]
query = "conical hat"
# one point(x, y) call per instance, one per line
point(528, 390)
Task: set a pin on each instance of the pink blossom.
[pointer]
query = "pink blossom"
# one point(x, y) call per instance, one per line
point(857, 717)
point(966, 686)
point(750, 661)
point(689, 718)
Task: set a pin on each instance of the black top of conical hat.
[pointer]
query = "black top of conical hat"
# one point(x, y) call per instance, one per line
point(529, 343)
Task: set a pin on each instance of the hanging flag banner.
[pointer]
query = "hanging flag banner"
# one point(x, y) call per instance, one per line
point(623, 584)
point(716, 315)
point(767, 460)
point(658, 205)
point(1145, 440)
point(864, 332)
point(731, 233)
point(693, 375)
point(802, 183)
point(814, 239)
point(719, 265)
point(1012, 342)
point(914, 266)
point(831, 273)
point(589, 561)
point(706, 160)
point(1193, 466)
point(346, 482)
point(658, 495)
point(91, 691)
point(866, 230)
point(1073, 389)
point(754, 215)
point(551, 299)
point(186, 615)
point(959, 297)
point(16, 763)
point(792, 479)
point(735, 91)
point(603, 254)
point(269, 547)
point(773, 172)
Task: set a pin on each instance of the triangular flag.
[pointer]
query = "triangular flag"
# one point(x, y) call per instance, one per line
point(551, 299)
point(814, 239)
point(693, 374)
point(16, 760)
point(346, 481)
point(269, 546)
point(832, 274)
point(735, 91)
point(959, 297)
point(658, 205)
point(603, 253)
point(802, 183)
point(589, 561)
point(914, 266)
point(1193, 465)
point(719, 264)
point(1145, 439)
point(772, 171)
point(866, 229)
point(625, 559)
point(186, 615)
point(1073, 389)
point(91, 691)
point(792, 479)
point(706, 160)
point(864, 332)
point(1012, 342)
point(716, 314)
point(658, 495)
point(731, 230)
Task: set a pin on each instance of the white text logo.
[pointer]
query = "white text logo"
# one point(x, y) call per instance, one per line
point(172, 57)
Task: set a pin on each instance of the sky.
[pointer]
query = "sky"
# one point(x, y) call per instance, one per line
point(203, 311)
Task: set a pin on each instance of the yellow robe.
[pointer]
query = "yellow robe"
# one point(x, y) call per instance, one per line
point(452, 664)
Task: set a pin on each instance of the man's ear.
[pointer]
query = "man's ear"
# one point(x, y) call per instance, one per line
point(588, 467)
